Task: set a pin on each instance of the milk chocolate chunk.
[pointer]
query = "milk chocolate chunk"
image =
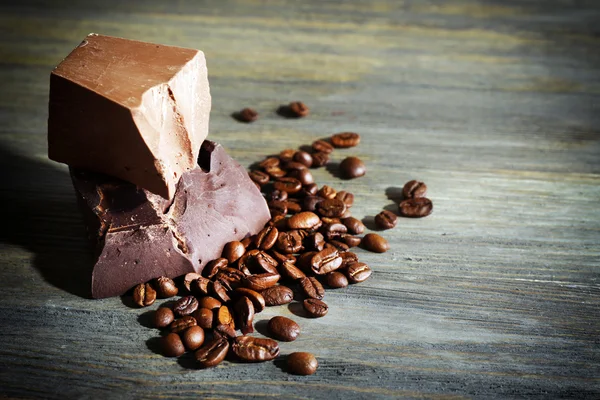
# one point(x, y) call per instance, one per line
point(139, 236)
point(133, 110)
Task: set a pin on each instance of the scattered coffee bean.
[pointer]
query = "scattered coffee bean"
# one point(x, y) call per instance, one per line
point(304, 176)
point(385, 220)
point(290, 271)
point(320, 159)
point(278, 295)
point(340, 246)
point(163, 317)
point(288, 184)
point(283, 328)
point(416, 208)
point(204, 317)
point(188, 279)
point(211, 269)
point(325, 261)
point(209, 302)
point(331, 208)
point(192, 337)
point(414, 189)
point(224, 330)
point(315, 242)
point(346, 197)
point(233, 251)
point(322, 146)
point(144, 295)
point(345, 139)
point(289, 242)
point(165, 287)
point(375, 243)
point(185, 306)
point(301, 363)
point(261, 282)
point(351, 241)
point(355, 226)
point(315, 308)
point(293, 206)
point(277, 207)
point(358, 272)
point(260, 177)
point(309, 203)
point(290, 166)
point(269, 162)
point(303, 220)
point(244, 313)
point(183, 323)
point(266, 263)
point(312, 288)
point(333, 230)
point(352, 167)
point(303, 158)
point(257, 299)
point(327, 192)
point(224, 317)
point(255, 349)
point(172, 346)
point(287, 155)
point(348, 258)
point(336, 280)
point(274, 172)
point(212, 353)
point(199, 287)
point(278, 195)
point(219, 292)
point(266, 238)
point(247, 115)
point(298, 109)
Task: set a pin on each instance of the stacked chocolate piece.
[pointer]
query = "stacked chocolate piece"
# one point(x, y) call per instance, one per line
point(131, 120)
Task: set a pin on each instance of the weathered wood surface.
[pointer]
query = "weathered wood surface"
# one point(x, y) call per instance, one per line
point(495, 104)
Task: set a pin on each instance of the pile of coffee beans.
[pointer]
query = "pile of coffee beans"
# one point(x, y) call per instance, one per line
point(304, 249)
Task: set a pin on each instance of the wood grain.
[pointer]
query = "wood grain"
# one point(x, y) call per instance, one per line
point(494, 104)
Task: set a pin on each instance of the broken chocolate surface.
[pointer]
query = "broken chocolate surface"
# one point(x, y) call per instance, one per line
point(140, 236)
point(133, 110)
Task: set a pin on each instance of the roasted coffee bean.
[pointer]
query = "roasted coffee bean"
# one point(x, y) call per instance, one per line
point(278, 295)
point(293, 206)
point(266, 238)
point(257, 299)
point(278, 195)
point(219, 292)
point(320, 159)
point(224, 330)
point(352, 167)
point(266, 263)
point(224, 317)
point(290, 271)
point(414, 189)
point(287, 155)
point(269, 162)
point(281, 258)
point(327, 192)
point(209, 302)
point(358, 272)
point(309, 203)
point(351, 241)
point(255, 349)
point(260, 282)
point(247, 241)
point(355, 226)
point(304, 260)
point(275, 172)
point(192, 338)
point(333, 231)
point(416, 208)
point(346, 197)
point(331, 221)
point(163, 317)
point(385, 220)
point(316, 241)
point(301, 363)
point(247, 115)
point(185, 306)
point(293, 165)
point(331, 208)
point(199, 287)
point(340, 246)
point(309, 190)
point(348, 258)
point(213, 267)
point(233, 251)
point(283, 328)
point(247, 261)
point(212, 353)
point(303, 220)
point(277, 207)
point(259, 177)
point(345, 139)
point(244, 314)
point(204, 317)
point(346, 213)
point(189, 278)
point(165, 287)
point(303, 157)
point(304, 176)
point(183, 323)
point(312, 288)
point(288, 184)
point(144, 295)
point(375, 243)
point(289, 242)
point(298, 109)
point(172, 346)
point(315, 308)
point(325, 261)
point(336, 279)
point(322, 146)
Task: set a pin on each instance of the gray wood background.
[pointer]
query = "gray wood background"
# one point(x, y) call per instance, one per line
point(494, 104)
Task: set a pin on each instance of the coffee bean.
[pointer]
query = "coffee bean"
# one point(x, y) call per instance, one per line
point(289, 242)
point(416, 208)
point(199, 287)
point(213, 267)
point(185, 306)
point(346, 213)
point(290, 166)
point(165, 287)
point(183, 323)
point(144, 295)
point(225, 331)
point(351, 241)
point(333, 230)
point(298, 109)
point(303, 175)
point(278, 195)
point(189, 278)
point(355, 226)
point(209, 302)
point(192, 338)
point(287, 155)
point(247, 115)
point(336, 279)
point(277, 207)
point(293, 206)
point(327, 192)
point(315, 308)
point(233, 251)
point(274, 172)
point(309, 190)
point(290, 271)
point(278, 295)
point(331, 220)
point(346, 197)
point(340, 246)
point(172, 346)
point(283, 328)
point(348, 258)
point(224, 317)
point(212, 353)
point(244, 313)
point(301, 363)
point(325, 261)
point(259, 177)
point(163, 317)
point(352, 167)
point(260, 282)
point(316, 241)
point(281, 258)
point(266, 263)
point(266, 238)
point(312, 288)
point(375, 243)
point(358, 272)
point(322, 146)
point(257, 299)
point(309, 203)
point(246, 242)
point(414, 189)
point(303, 158)
point(254, 349)
point(219, 292)
point(385, 220)
point(303, 220)
point(204, 317)
point(320, 159)
point(269, 162)
point(345, 139)
point(331, 208)
point(288, 184)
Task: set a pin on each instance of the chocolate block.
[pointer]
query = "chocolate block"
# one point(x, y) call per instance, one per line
point(137, 111)
point(140, 236)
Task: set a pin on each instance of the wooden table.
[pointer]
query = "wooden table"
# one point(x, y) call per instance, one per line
point(494, 104)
